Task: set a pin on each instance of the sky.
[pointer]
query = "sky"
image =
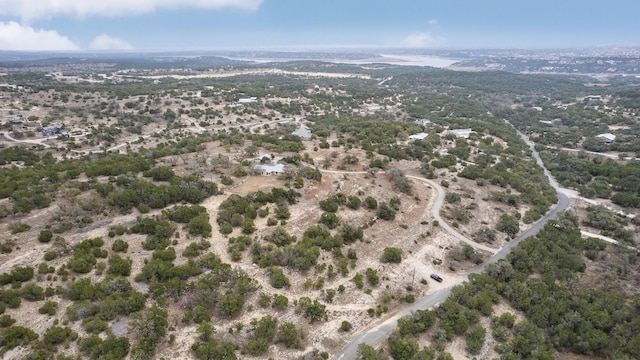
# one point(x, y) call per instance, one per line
point(154, 25)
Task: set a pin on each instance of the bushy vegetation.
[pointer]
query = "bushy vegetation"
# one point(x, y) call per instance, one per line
point(536, 280)
point(238, 211)
point(540, 279)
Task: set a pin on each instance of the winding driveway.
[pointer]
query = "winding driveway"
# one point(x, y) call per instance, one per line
point(440, 194)
point(376, 334)
point(32, 142)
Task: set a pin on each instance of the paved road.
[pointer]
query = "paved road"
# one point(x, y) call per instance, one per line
point(375, 335)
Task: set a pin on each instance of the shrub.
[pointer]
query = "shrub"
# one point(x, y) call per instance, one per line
point(288, 335)
point(370, 203)
point(357, 279)
point(20, 227)
point(48, 308)
point(278, 279)
point(508, 224)
point(372, 277)
point(120, 245)
point(45, 269)
point(56, 335)
point(386, 212)
point(111, 348)
point(45, 236)
point(32, 292)
point(452, 198)
point(119, 266)
point(6, 321)
point(392, 255)
point(475, 340)
point(15, 336)
point(346, 326)
point(329, 219)
point(280, 302)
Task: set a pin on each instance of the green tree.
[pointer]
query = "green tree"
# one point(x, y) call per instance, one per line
point(120, 245)
point(367, 352)
point(508, 224)
point(288, 335)
point(392, 255)
point(475, 340)
point(277, 278)
point(386, 212)
point(372, 277)
point(370, 203)
point(45, 236)
point(119, 266)
point(346, 326)
point(330, 220)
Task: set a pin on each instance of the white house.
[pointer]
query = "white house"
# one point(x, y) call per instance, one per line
point(462, 133)
point(303, 132)
point(418, 136)
point(607, 138)
point(423, 122)
point(247, 100)
point(592, 98)
point(267, 170)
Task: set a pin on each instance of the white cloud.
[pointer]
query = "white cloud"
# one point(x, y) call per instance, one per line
point(14, 36)
point(422, 39)
point(433, 22)
point(106, 42)
point(33, 9)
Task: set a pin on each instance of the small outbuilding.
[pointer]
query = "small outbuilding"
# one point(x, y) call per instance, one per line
point(418, 136)
point(607, 138)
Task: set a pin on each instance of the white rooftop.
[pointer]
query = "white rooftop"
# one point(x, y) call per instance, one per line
point(462, 133)
point(418, 136)
point(303, 132)
point(606, 136)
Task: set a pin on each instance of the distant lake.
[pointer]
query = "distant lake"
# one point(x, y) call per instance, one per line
point(391, 59)
point(410, 60)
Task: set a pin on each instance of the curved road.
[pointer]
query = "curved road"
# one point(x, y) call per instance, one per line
point(32, 142)
point(435, 210)
point(436, 214)
point(375, 335)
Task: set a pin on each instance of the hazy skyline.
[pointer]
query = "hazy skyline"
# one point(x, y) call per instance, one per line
point(298, 24)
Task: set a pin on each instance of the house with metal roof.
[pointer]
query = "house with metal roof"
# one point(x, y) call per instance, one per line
point(303, 132)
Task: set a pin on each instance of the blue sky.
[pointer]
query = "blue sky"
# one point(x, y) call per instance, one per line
point(310, 24)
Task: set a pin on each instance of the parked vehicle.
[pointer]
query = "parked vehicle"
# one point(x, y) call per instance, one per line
point(436, 277)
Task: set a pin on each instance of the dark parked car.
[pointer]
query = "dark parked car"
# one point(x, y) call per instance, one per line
point(436, 277)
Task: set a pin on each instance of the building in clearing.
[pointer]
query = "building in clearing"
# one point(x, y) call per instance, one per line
point(268, 170)
point(462, 133)
point(418, 136)
point(55, 130)
point(423, 122)
point(303, 132)
point(247, 100)
point(589, 98)
point(606, 138)
point(17, 120)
